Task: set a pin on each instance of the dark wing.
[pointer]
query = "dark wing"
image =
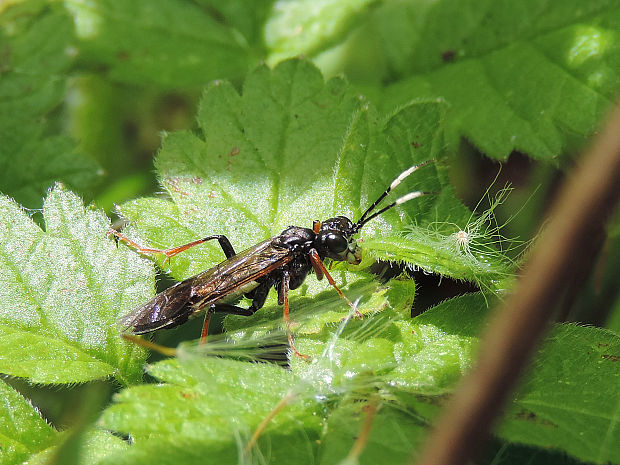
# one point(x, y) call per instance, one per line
point(176, 304)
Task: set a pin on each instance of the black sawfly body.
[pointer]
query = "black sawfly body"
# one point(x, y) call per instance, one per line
point(282, 262)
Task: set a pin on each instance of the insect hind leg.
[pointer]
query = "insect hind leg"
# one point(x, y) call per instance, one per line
point(225, 244)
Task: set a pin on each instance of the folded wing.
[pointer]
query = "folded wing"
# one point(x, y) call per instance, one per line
point(176, 304)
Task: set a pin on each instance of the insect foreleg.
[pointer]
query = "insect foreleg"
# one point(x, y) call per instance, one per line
point(320, 270)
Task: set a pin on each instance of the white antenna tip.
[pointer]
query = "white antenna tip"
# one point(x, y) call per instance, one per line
point(402, 176)
point(408, 197)
point(407, 172)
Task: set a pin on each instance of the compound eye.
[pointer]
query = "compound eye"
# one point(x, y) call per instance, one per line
point(336, 243)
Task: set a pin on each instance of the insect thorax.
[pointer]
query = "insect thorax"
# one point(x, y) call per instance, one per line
point(295, 239)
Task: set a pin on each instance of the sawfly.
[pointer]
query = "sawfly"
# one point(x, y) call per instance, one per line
point(282, 262)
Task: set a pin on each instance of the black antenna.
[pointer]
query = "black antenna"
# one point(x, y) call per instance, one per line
point(405, 198)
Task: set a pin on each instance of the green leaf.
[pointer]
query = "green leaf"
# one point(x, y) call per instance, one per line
point(535, 85)
point(318, 305)
point(22, 430)
point(474, 249)
point(206, 401)
point(209, 404)
point(571, 397)
point(246, 16)
point(393, 436)
point(63, 289)
point(128, 38)
point(35, 58)
point(309, 26)
point(539, 85)
point(516, 454)
point(292, 148)
point(33, 162)
point(441, 255)
point(87, 448)
point(386, 348)
point(79, 444)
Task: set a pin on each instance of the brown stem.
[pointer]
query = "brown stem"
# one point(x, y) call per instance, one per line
point(584, 204)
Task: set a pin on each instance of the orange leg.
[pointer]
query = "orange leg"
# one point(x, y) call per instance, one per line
point(169, 253)
point(205, 327)
point(284, 296)
point(320, 270)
